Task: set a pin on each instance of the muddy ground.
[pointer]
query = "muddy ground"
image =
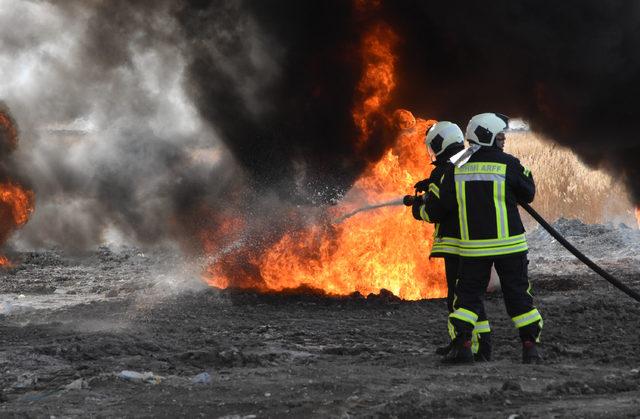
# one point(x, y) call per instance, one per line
point(71, 325)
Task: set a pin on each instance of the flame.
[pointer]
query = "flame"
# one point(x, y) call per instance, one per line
point(378, 81)
point(383, 249)
point(638, 216)
point(5, 262)
point(16, 206)
point(371, 251)
point(9, 129)
point(18, 200)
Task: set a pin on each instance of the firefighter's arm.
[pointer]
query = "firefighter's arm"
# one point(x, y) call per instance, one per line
point(438, 204)
point(525, 187)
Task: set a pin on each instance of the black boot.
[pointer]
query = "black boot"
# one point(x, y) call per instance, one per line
point(460, 352)
point(484, 348)
point(443, 350)
point(530, 353)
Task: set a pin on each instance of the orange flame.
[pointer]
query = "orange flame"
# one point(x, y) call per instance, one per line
point(16, 206)
point(9, 129)
point(638, 216)
point(378, 80)
point(19, 201)
point(381, 249)
point(371, 251)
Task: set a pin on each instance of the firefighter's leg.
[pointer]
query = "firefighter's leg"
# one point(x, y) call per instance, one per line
point(473, 278)
point(518, 300)
point(451, 270)
point(451, 265)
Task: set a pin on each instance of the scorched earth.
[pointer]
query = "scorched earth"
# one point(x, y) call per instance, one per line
point(70, 326)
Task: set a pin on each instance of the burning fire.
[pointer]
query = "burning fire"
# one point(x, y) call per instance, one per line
point(377, 83)
point(16, 206)
point(381, 249)
point(385, 248)
point(9, 130)
point(371, 251)
point(638, 216)
point(16, 202)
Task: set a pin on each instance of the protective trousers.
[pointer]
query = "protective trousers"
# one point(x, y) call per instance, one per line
point(474, 275)
point(451, 266)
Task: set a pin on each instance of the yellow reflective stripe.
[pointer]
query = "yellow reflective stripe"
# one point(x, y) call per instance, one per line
point(527, 318)
point(482, 168)
point(475, 342)
point(480, 243)
point(445, 249)
point(423, 213)
point(464, 315)
point(499, 200)
point(503, 208)
point(540, 326)
point(452, 330)
point(462, 210)
point(493, 251)
point(482, 327)
point(435, 190)
point(526, 172)
point(446, 245)
point(496, 202)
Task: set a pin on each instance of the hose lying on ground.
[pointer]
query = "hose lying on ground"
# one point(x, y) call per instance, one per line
point(615, 282)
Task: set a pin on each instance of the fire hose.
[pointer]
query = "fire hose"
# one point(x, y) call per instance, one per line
point(581, 256)
point(408, 200)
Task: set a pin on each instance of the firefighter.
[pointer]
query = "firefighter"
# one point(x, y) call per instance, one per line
point(483, 194)
point(443, 140)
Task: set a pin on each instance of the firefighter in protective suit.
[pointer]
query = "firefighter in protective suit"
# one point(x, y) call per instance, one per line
point(443, 140)
point(483, 193)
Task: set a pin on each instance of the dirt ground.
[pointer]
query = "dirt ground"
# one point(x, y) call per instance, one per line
point(69, 326)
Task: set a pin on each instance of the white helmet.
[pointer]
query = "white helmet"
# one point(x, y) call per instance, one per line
point(483, 128)
point(442, 135)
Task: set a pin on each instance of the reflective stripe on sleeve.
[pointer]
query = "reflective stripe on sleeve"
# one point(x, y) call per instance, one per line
point(527, 318)
point(423, 213)
point(435, 190)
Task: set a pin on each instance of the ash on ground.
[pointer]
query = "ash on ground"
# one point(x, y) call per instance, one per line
point(124, 333)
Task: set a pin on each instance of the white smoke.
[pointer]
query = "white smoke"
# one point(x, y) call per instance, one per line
point(107, 131)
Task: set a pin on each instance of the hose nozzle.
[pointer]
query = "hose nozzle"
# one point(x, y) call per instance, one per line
point(408, 200)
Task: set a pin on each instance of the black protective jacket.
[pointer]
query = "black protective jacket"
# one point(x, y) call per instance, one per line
point(483, 195)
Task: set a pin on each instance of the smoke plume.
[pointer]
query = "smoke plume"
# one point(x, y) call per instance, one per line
point(568, 67)
point(162, 119)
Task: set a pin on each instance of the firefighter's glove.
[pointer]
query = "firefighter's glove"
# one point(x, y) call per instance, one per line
point(422, 186)
point(418, 201)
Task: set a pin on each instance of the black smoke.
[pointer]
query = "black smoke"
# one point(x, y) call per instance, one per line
point(272, 84)
point(568, 67)
point(277, 80)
